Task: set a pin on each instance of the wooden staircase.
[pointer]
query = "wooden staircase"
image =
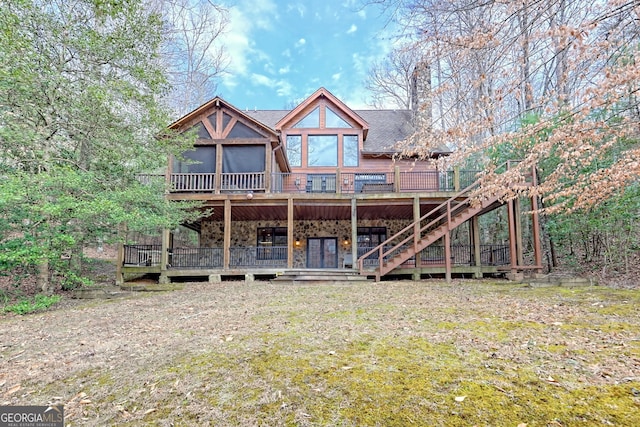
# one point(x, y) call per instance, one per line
point(425, 231)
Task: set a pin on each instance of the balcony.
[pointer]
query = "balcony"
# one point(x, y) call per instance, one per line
point(318, 183)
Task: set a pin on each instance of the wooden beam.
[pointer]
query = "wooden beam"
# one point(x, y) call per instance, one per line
point(513, 253)
point(354, 233)
point(447, 256)
point(290, 234)
point(517, 212)
point(227, 233)
point(416, 228)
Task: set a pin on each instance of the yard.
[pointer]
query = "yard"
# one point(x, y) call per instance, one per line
point(386, 354)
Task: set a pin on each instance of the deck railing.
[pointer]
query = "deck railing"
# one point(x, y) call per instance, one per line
point(258, 257)
point(196, 258)
point(249, 181)
point(344, 182)
point(142, 255)
point(192, 181)
point(276, 256)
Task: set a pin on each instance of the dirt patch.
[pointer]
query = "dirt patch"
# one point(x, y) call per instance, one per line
point(392, 353)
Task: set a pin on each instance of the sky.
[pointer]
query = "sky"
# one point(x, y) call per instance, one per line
point(281, 51)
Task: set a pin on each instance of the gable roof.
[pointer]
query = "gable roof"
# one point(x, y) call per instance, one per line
point(322, 93)
point(382, 129)
point(218, 102)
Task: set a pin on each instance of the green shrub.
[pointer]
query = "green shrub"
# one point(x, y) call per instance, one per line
point(39, 302)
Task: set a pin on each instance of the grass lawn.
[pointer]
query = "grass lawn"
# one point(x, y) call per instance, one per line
point(372, 354)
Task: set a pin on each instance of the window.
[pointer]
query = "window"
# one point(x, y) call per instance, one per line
point(243, 158)
point(322, 150)
point(333, 120)
point(240, 130)
point(199, 160)
point(311, 120)
point(370, 237)
point(272, 243)
point(350, 150)
point(203, 133)
point(294, 149)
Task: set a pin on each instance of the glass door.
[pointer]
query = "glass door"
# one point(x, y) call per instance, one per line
point(322, 252)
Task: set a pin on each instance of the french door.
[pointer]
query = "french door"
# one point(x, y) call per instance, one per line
point(322, 252)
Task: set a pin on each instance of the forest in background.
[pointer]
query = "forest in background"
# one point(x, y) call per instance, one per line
point(552, 83)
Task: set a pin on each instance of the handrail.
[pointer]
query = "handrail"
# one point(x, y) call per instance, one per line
point(449, 212)
point(380, 247)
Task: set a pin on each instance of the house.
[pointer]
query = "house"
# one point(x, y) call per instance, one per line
point(318, 188)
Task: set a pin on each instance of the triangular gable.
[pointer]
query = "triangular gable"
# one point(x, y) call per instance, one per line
point(297, 114)
point(206, 114)
point(224, 121)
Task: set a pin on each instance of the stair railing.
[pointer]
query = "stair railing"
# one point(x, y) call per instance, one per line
point(448, 213)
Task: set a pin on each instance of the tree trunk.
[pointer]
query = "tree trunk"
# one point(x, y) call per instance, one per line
point(42, 279)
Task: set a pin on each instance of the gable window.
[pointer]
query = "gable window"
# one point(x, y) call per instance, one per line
point(350, 150)
point(294, 149)
point(311, 120)
point(240, 130)
point(332, 120)
point(322, 150)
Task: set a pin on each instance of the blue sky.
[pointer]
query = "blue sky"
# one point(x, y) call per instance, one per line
point(281, 51)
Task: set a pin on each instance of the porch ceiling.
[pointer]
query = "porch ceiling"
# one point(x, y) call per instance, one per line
point(321, 209)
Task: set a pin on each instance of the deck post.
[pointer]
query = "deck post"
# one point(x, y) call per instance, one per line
point(354, 233)
point(290, 236)
point(227, 233)
point(517, 211)
point(119, 263)
point(416, 228)
point(396, 179)
point(475, 235)
point(164, 257)
point(513, 251)
point(535, 222)
point(456, 178)
point(447, 256)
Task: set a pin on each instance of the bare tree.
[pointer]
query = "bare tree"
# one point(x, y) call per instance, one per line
point(193, 57)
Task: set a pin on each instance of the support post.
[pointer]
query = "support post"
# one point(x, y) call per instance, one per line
point(517, 212)
point(396, 179)
point(416, 228)
point(456, 178)
point(535, 223)
point(354, 233)
point(475, 235)
point(447, 256)
point(290, 233)
point(227, 233)
point(119, 264)
point(513, 254)
point(164, 256)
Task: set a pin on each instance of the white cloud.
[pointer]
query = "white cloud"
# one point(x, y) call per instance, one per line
point(335, 77)
point(362, 13)
point(282, 87)
point(237, 40)
point(286, 53)
point(300, 43)
point(352, 29)
point(284, 70)
point(298, 8)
